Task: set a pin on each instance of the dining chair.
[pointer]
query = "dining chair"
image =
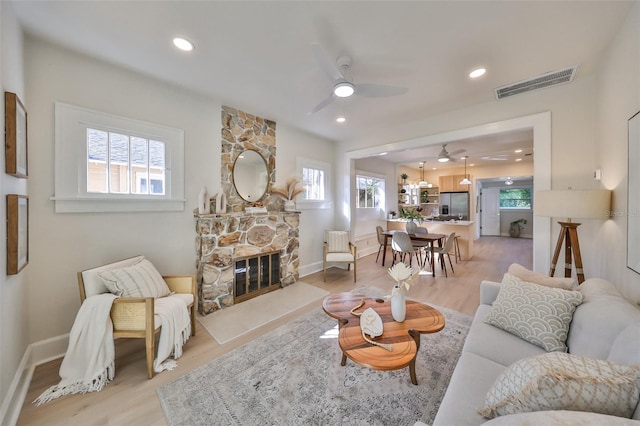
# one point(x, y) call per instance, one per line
point(379, 231)
point(441, 251)
point(422, 246)
point(402, 245)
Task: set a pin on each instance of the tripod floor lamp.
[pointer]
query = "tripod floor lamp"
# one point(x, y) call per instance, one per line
point(572, 204)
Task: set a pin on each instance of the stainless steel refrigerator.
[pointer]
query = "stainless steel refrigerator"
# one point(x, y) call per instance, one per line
point(454, 204)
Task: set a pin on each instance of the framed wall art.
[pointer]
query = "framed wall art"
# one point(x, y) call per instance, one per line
point(633, 195)
point(17, 233)
point(15, 136)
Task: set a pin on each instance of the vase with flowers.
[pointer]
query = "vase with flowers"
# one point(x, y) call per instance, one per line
point(289, 191)
point(403, 275)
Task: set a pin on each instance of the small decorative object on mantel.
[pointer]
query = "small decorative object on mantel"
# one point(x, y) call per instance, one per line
point(203, 202)
point(289, 191)
point(403, 275)
point(221, 202)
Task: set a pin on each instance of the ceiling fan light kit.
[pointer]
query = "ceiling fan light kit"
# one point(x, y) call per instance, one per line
point(344, 89)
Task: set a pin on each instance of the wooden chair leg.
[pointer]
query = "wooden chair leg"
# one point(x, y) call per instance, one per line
point(150, 349)
point(451, 264)
point(379, 250)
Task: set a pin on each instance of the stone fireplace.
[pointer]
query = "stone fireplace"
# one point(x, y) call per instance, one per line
point(223, 239)
point(227, 239)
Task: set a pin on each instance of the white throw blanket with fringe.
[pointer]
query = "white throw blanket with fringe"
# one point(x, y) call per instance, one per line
point(88, 364)
point(176, 330)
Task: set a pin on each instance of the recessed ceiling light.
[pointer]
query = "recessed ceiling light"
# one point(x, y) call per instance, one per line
point(477, 73)
point(443, 159)
point(183, 44)
point(382, 153)
point(518, 151)
point(341, 119)
point(471, 165)
point(518, 159)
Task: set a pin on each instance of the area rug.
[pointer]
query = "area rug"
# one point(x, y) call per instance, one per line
point(292, 376)
point(229, 323)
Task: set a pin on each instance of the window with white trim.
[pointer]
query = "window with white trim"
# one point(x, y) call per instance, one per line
point(313, 184)
point(314, 176)
point(370, 191)
point(515, 199)
point(110, 163)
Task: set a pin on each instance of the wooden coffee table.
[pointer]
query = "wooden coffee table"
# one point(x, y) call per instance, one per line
point(404, 337)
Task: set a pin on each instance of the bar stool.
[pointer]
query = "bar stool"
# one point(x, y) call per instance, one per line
point(456, 248)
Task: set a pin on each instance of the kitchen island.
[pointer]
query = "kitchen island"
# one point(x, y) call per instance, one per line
point(464, 229)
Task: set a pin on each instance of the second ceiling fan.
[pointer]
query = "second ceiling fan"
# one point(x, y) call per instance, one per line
point(343, 87)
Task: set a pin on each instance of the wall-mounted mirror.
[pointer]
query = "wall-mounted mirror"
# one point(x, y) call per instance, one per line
point(250, 176)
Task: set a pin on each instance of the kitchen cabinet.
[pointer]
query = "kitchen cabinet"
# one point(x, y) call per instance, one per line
point(451, 183)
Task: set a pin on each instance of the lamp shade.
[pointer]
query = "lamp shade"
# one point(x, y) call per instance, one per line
point(579, 204)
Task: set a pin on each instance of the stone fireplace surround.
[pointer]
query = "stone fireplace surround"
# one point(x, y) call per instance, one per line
point(221, 238)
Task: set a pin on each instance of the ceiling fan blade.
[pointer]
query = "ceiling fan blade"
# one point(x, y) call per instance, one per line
point(379, 90)
point(460, 151)
point(325, 63)
point(326, 101)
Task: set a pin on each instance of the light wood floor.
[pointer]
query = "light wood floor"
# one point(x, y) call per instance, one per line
point(130, 399)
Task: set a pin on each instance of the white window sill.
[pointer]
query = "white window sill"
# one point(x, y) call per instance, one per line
point(314, 205)
point(103, 205)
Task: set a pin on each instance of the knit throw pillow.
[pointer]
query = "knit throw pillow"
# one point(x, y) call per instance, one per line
point(139, 280)
point(561, 381)
point(540, 315)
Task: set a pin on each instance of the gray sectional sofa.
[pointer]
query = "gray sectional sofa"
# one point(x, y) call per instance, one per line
point(605, 326)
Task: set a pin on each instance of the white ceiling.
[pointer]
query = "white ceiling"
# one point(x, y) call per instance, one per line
point(257, 56)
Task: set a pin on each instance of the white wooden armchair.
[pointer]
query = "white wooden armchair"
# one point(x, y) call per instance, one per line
point(338, 249)
point(134, 317)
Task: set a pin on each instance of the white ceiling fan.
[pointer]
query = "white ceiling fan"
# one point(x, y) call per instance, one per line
point(343, 87)
point(445, 156)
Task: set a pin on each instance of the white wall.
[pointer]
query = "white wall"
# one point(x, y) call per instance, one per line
point(14, 307)
point(63, 244)
point(618, 98)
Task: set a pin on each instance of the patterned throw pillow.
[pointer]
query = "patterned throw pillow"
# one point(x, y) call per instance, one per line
point(139, 280)
point(561, 381)
point(540, 315)
point(338, 241)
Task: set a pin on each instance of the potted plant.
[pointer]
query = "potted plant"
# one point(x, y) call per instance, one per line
point(404, 177)
point(412, 215)
point(516, 227)
point(392, 214)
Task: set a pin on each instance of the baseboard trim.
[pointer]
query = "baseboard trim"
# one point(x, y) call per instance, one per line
point(35, 354)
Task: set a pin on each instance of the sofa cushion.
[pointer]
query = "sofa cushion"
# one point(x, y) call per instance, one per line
point(538, 314)
point(496, 344)
point(139, 280)
point(471, 379)
point(537, 278)
point(597, 322)
point(560, 418)
point(561, 381)
point(626, 348)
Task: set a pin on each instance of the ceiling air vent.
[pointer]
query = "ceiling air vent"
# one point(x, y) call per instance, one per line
point(549, 79)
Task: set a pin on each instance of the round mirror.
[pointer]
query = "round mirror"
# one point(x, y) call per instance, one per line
point(250, 175)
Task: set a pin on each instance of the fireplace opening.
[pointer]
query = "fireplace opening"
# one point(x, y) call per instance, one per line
point(256, 275)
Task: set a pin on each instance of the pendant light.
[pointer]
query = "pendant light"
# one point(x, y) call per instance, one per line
point(465, 181)
point(422, 181)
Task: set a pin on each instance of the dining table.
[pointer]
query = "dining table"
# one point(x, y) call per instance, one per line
point(431, 238)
